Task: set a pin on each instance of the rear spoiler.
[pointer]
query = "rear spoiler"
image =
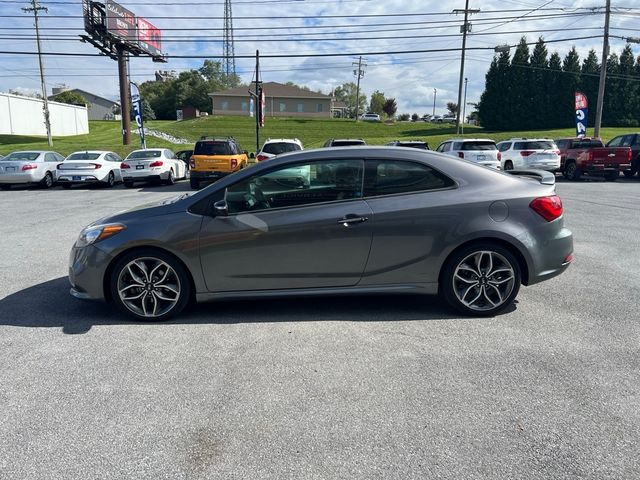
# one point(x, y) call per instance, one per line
point(544, 177)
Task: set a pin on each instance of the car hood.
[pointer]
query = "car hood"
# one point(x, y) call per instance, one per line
point(146, 210)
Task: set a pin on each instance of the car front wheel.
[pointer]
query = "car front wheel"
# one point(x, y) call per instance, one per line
point(150, 285)
point(481, 280)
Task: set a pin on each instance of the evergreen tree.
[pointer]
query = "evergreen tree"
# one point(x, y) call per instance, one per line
point(589, 80)
point(488, 106)
point(519, 99)
point(376, 104)
point(628, 89)
point(570, 84)
point(540, 105)
point(554, 83)
point(611, 106)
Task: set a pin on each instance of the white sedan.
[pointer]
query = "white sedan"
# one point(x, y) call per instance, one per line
point(152, 165)
point(91, 166)
point(34, 167)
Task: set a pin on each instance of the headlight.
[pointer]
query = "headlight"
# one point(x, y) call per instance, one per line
point(98, 232)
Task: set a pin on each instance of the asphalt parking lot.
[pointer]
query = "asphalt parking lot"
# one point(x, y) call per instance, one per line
point(353, 388)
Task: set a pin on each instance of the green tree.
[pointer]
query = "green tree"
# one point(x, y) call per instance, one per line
point(628, 90)
point(390, 107)
point(452, 108)
point(570, 84)
point(519, 99)
point(612, 101)
point(162, 98)
point(491, 110)
point(347, 93)
point(147, 111)
point(554, 82)
point(589, 80)
point(376, 104)
point(70, 97)
point(540, 105)
point(414, 117)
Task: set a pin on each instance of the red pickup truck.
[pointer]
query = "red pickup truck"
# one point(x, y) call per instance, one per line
point(585, 155)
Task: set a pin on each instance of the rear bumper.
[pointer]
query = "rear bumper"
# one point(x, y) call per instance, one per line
point(601, 168)
point(64, 178)
point(198, 175)
point(143, 178)
point(19, 178)
point(552, 257)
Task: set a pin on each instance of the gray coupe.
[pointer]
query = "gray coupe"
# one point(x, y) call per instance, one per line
point(356, 220)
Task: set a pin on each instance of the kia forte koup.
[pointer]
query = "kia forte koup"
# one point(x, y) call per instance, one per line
point(356, 220)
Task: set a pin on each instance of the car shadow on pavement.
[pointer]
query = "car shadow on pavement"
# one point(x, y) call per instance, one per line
point(49, 305)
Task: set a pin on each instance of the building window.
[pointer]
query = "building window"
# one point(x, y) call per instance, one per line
point(283, 107)
point(319, 108)
point(225, 105)
point(300, 107)
point(245, 106)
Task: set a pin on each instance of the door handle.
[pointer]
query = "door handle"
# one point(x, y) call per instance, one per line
point(346, 221)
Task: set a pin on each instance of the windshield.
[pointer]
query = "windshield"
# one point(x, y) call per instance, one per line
point(83, 156)
point(21, 156)
point(145, 154)
point(535, 145)
point(478, 145)
point(276, 148)
point(212, 148)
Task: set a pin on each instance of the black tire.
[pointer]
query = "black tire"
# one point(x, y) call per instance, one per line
point(448, 289)
point(171, 179)
point(111, 180)
point(508, 165)
point(128, 184)
point(4, 186)
point(47, 181)
point(572, 172)
point(629, 173)
point(183, 284)
point(66, 186)
point(195, 184)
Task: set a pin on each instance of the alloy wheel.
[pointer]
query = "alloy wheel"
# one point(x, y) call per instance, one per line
point(483, 280)
point(149, 287)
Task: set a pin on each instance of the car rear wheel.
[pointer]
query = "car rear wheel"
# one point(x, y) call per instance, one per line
point(171, 179)
point(150, 285)
point(47, 181)
point(128, 184)
point(572, 171)
point(5, 187)
point(111, 180)
point(481, 280)
point(508, 165)
point(66, 186)
point(195, 184)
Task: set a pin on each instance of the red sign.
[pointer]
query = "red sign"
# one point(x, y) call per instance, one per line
point(581, 101)
point(149, 37)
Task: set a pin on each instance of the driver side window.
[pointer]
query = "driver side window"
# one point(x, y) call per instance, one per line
point(297, 185)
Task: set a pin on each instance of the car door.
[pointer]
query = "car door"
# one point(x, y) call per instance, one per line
point(413, 218)
point(300, 226)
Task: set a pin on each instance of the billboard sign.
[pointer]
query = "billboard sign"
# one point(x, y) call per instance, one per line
point(582, 111)
point(149, 37)
point(121, 23)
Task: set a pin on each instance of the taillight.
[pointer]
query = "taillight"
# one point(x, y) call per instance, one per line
point(557, 152)
point(461, 154)
point(157, 163)
point(629, 155)
point(526, 153)
point(234, 163)
point(548, 208)
point(192, 163)
point(124, 165)
point(262, 157)
point(96, 166)
point(499, 156)
point(590, 156)
point(29, 166)
point(60, 167)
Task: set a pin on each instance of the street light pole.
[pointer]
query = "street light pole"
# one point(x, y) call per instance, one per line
point(35, 8)
point(603, 71)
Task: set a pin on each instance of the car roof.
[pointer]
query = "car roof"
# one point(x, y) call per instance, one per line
point(282, 140)
point(470, 140)
point(347, 140)
point(524, 139)
point(33, 151)
point(91, 151)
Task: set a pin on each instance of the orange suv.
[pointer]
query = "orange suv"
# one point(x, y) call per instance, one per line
point(213, 158)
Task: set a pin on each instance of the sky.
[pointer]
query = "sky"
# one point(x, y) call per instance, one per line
point(409, 77)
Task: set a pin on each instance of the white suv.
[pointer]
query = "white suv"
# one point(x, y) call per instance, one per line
point(370, 117)
point(523, 153)
point(478, 150)
point(277, 146)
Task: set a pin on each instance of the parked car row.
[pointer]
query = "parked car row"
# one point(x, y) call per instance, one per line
point(47, 168)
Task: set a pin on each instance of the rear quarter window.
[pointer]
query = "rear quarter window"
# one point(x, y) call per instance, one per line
point(386, 177)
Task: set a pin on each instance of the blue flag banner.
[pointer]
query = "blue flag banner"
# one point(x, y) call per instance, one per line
point(582, 112)
point(136, 105)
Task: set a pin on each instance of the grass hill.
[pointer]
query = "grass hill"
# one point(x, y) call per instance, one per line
point(312, 132)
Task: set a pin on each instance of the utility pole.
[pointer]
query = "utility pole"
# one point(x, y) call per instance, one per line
point(464, 105)
point(125, 108)
point(359, 73)
point(464, 29)
point(257, 98)
point(603, 71)
point(435, 92)
point(35, 8)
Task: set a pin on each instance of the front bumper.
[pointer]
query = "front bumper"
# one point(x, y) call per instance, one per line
point(87, 269)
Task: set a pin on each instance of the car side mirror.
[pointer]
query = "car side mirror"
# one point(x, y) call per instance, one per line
point(220, 208)
point(251, 155)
